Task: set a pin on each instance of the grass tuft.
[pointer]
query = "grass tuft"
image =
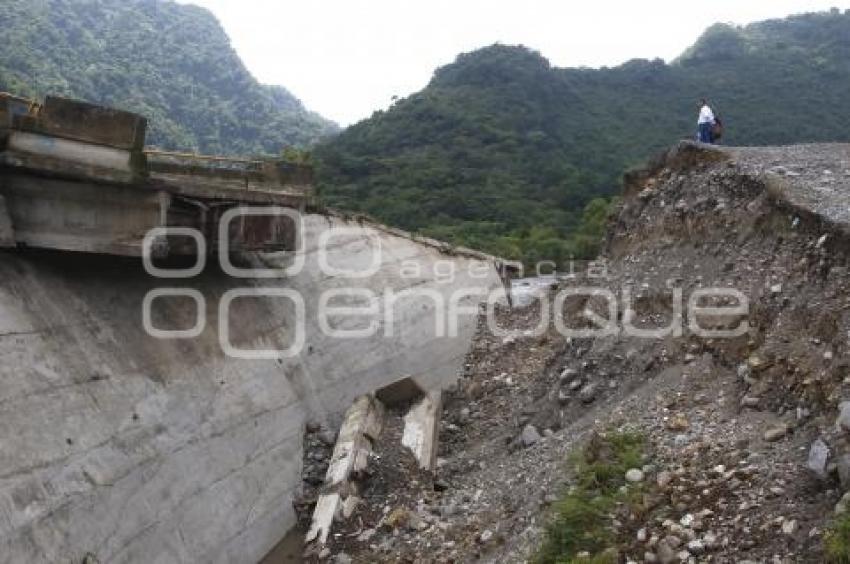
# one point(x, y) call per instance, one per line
point(836, 541)
point(581, 520)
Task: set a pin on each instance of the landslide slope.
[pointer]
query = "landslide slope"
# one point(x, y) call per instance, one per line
point(728, 422)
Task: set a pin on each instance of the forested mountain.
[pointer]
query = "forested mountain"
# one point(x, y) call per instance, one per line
point(171, 62)
point(501, 151)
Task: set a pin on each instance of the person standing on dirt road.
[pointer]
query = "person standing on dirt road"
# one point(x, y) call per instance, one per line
point(705, 122)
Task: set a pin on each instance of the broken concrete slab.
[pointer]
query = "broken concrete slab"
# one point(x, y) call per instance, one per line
point(327, 507)
point(226, 475)
point(89, 123)
point(239, 455)
point(365, 416)
point(362, 424)
point(349, 506)
point(30, 150)
point(422, 430)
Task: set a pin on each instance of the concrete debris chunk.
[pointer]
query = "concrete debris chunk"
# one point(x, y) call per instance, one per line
point(421, 430)
point(818, 456)
point(349, 506)
point(361, 425)
point(323, 518)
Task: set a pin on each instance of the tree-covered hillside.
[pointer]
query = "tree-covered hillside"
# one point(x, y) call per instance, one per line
point(503, 152)
point(173, 63)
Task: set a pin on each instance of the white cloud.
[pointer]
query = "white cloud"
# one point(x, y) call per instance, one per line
point(347, 58)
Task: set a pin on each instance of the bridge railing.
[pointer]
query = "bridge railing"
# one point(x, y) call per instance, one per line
point(268, 174)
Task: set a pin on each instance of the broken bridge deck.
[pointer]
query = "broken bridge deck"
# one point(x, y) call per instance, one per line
point(76, 176)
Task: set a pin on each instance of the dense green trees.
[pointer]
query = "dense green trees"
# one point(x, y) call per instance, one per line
point(500, 151)
point(173, 63)
point(503, 152)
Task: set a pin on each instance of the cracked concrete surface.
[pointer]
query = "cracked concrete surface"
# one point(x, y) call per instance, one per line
point(134, 449)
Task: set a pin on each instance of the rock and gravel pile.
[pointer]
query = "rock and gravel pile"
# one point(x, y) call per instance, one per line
point(749, 436)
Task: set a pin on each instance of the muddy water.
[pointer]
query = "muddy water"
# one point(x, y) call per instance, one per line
point(525, 290)
point(287, 551)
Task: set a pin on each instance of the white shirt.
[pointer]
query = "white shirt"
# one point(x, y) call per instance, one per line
point(706, 115)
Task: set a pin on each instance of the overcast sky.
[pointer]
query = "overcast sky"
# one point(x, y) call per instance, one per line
point(347, 58)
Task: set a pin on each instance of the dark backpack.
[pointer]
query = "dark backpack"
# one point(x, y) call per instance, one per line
point(717, 129)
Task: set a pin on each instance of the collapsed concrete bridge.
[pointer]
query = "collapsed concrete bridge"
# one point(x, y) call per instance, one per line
point(116, 446)
point(76, 177)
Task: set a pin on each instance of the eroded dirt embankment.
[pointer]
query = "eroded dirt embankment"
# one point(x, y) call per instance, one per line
point(729, 421)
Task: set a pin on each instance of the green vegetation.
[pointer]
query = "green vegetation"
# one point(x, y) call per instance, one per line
point(582, 518)
point(503, 152)
point(172, 63)
point(297, 156)
point(836, 541)
point(500, 152)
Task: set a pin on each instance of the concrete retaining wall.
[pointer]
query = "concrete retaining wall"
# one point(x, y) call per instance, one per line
point(134, 449)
